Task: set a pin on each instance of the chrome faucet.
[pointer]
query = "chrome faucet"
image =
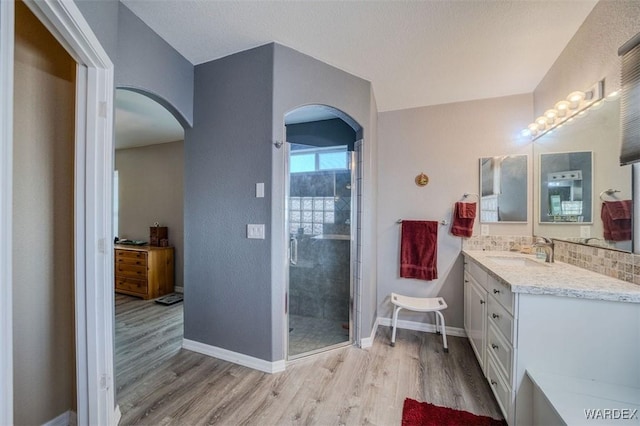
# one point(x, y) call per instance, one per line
point(548, 246)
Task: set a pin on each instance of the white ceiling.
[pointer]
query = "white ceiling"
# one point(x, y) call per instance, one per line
point(415, 53)
point(141, 121)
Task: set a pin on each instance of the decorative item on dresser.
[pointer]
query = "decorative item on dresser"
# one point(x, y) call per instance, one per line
point(144, 271)
point(158, 235)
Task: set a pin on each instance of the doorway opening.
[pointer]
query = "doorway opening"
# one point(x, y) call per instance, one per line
point(148, 201)
point(323, 150)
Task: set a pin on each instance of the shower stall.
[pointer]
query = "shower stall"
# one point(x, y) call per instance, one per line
point(322, 217)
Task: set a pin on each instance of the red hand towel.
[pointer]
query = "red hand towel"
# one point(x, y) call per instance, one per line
point(616, 220)
point(418, 250)
point(464, 214)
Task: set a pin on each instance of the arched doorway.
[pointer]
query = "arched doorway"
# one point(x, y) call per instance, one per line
point(322, 214)
point(148, 190)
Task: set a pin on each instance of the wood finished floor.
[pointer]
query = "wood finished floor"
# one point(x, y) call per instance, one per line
point(158, 383)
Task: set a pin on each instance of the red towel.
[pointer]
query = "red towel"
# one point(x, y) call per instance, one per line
point(419, 249)
point(616, 220)
point(464, 214)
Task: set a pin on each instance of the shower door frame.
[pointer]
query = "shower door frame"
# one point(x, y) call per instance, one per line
point(355, 164)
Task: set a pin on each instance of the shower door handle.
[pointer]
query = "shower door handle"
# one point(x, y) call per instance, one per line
point(293, 251)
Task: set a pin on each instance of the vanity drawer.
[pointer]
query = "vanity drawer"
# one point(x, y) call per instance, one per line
point(502, 319)
point(477, 273)
point(500, 388)
point(501, 349)
point(502, 293)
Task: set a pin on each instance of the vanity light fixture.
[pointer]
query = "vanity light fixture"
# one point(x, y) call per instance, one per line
point(565, 110)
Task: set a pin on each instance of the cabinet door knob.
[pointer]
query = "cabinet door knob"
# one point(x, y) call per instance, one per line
point(494, 346)
point(493, 383)
point(466, 281)
point(496, 291)
point(495, 315)
point(482, 302)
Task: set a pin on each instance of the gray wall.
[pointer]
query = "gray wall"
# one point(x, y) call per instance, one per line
point(142, 60)
point(43, 276)
point(322, 133)
point(302, 80)
point(228, 150)
point(152, 190)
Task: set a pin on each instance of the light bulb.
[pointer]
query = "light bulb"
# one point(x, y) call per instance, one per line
point(575, 98)
point(551, 115)
point(541, 122)
point(562, 107)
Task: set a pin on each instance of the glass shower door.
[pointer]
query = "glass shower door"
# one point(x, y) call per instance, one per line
point(319, 222)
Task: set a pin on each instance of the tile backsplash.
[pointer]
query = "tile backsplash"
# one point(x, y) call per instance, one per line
point(612, 263)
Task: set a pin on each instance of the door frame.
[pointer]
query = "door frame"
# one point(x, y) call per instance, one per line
point(93, 254)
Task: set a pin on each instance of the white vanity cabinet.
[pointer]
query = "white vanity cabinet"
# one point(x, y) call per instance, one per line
point(475, 310)
point(551, 324)
point(489, 323)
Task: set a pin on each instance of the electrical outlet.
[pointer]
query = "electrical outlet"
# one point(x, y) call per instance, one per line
point(484, 230)
point(585, 231)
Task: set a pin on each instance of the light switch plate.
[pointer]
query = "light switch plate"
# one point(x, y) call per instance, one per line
point(484, 230)
point(255, 231)
point(260, 190)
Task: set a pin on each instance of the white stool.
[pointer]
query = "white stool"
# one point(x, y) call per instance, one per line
point(420, 304)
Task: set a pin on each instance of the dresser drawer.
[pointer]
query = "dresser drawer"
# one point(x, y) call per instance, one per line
point(477, 273)
point(502, 319)
point(130, 254)
point(501, 349)
point(128, 260)
point(500, 388)
point(131, 285)
point(502, 293)
point(131, 271)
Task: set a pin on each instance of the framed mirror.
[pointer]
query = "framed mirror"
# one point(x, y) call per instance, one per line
point(566, 187)
point(598, 132)
point(503, 189)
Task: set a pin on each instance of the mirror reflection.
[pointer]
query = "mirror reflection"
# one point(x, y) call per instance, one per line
point(598, 132)
point(503, 189)
point(566, 189)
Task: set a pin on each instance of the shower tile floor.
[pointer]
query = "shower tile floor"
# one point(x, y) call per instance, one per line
point(310, 334)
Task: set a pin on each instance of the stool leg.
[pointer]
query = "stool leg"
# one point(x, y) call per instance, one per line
point(437, 323)
point(394, 323)
point(444, 332)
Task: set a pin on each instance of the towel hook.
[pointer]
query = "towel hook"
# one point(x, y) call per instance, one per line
point(468, 194)
point(609, 192)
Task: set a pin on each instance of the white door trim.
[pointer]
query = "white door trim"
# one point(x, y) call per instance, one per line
point(6, 197)
point(93, 237)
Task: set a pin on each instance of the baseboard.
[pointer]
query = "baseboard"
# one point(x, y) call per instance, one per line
point(68, 418)
point(178, 290)
point(367, 342)
point(234, 357)
point(421, 326)
point(117, 415)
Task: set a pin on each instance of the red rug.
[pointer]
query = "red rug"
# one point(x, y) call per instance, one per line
point(416, 413)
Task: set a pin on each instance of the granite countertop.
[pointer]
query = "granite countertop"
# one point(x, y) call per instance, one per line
point(528, 275)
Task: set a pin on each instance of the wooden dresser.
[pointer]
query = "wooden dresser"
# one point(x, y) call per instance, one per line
point(144, 271)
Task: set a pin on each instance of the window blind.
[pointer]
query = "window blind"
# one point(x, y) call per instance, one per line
point(630, 101)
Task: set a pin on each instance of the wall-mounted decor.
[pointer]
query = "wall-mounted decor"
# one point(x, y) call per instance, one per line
point(422, 179)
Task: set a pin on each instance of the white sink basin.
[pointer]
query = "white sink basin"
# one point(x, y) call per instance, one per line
point(516, 261)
